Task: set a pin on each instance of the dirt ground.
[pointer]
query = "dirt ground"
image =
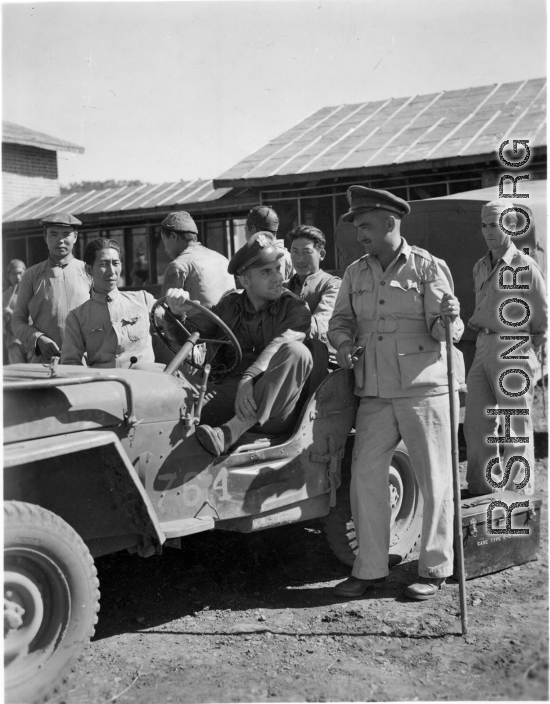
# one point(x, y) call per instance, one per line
point(253, 618)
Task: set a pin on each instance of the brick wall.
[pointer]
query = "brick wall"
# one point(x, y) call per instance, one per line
point(29, 161)
point(27, 172)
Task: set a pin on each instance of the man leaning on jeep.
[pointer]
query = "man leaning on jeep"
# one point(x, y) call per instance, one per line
point(270, 324)
point(388, 325)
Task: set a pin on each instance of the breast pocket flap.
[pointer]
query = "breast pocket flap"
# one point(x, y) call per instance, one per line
point(406, 285)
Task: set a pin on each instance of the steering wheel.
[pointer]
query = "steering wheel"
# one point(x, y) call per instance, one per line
point(220, 370)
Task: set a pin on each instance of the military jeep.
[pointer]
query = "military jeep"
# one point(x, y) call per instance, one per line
point(98, 461)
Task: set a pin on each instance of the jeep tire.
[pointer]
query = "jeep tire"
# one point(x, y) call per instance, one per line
point(51, 600)
point(406, 518)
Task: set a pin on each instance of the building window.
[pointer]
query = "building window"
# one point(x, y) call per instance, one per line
point(289, 215)
point(239, 239)
point(319, 212)
point(16, 249)
point(37, 250)
point(216, 236)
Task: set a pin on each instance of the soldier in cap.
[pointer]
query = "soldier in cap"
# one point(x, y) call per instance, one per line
point(200, 271)
point(388, 325)
point(262, 218)
point(270, 324)
point(49, 290)
point(504, 273)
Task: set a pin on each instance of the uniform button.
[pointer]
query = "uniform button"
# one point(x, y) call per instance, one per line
point(382, 283)
point(382, 301)
point(420, 347)
point(380, 337)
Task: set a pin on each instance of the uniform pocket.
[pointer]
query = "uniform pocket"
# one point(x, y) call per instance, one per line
point(422, 361)
point(407, 297)
point(136, 327)
point(360, 297)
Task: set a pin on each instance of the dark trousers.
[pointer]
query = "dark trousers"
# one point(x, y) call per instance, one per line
point(276, 391)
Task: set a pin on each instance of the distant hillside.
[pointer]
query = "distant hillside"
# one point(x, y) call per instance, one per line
point(84, 186)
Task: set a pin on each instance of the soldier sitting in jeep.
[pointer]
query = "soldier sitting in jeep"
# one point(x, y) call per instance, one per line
point(270, 324)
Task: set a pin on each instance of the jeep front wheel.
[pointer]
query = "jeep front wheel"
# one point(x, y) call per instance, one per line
point(51, 600)
point(406, 514)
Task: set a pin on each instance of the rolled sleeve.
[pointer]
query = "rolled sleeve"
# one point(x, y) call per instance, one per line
point(174, 277)
point(436, 286)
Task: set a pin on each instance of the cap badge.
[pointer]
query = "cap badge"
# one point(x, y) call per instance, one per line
point(261, 240)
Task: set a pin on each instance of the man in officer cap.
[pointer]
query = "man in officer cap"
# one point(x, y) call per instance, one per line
point(504, 273)
point(200, 271)
point(388, 324)
point(262, 218)
point(49, 290)
point(270, 324)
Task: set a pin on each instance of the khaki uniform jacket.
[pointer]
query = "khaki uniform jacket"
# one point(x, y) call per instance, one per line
point(202, 272)
point(394, 316)
point(47, 293)
point(110, 329)
point(490, 295)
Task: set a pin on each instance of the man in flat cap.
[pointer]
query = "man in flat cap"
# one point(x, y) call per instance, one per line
point(270, 324)
point(504, 273)
point(200, 271)
point(262, 218)
point(388, 324)
point(50, 290)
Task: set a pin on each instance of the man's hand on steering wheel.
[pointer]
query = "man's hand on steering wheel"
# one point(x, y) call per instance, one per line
point(177, 299)
point(175, 304)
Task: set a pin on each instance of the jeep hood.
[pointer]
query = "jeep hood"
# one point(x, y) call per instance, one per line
point(92, 402)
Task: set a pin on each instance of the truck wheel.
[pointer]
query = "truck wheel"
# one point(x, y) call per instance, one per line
point(51, 600)
point(406, 516)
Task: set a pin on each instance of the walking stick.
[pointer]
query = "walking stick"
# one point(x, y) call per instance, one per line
point(542, 360)
point(459, 550)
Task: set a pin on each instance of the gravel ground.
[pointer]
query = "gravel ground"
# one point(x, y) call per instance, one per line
point(253, 618)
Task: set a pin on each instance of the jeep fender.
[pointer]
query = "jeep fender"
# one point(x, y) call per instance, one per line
point(88, 480)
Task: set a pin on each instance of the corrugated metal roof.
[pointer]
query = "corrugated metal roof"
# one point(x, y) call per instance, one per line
point(110, 200)
point(17, 134)
point(367, 136)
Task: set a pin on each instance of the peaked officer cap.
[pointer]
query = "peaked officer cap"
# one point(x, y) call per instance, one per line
point(65, 219)
point(258, 251)
point(362, 199)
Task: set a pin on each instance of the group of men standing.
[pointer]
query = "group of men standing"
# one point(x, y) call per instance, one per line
point(386, 320)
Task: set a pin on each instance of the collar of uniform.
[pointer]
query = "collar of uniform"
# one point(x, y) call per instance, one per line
point(308, 279)
point(244, 303)
point(510, 253)
point(102, 297)
point(53, 264)
point(507, 257)
point(404, 249)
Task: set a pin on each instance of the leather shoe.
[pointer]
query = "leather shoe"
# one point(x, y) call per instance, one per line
point(216, 441)
point(425, 588)
point(353, 586)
